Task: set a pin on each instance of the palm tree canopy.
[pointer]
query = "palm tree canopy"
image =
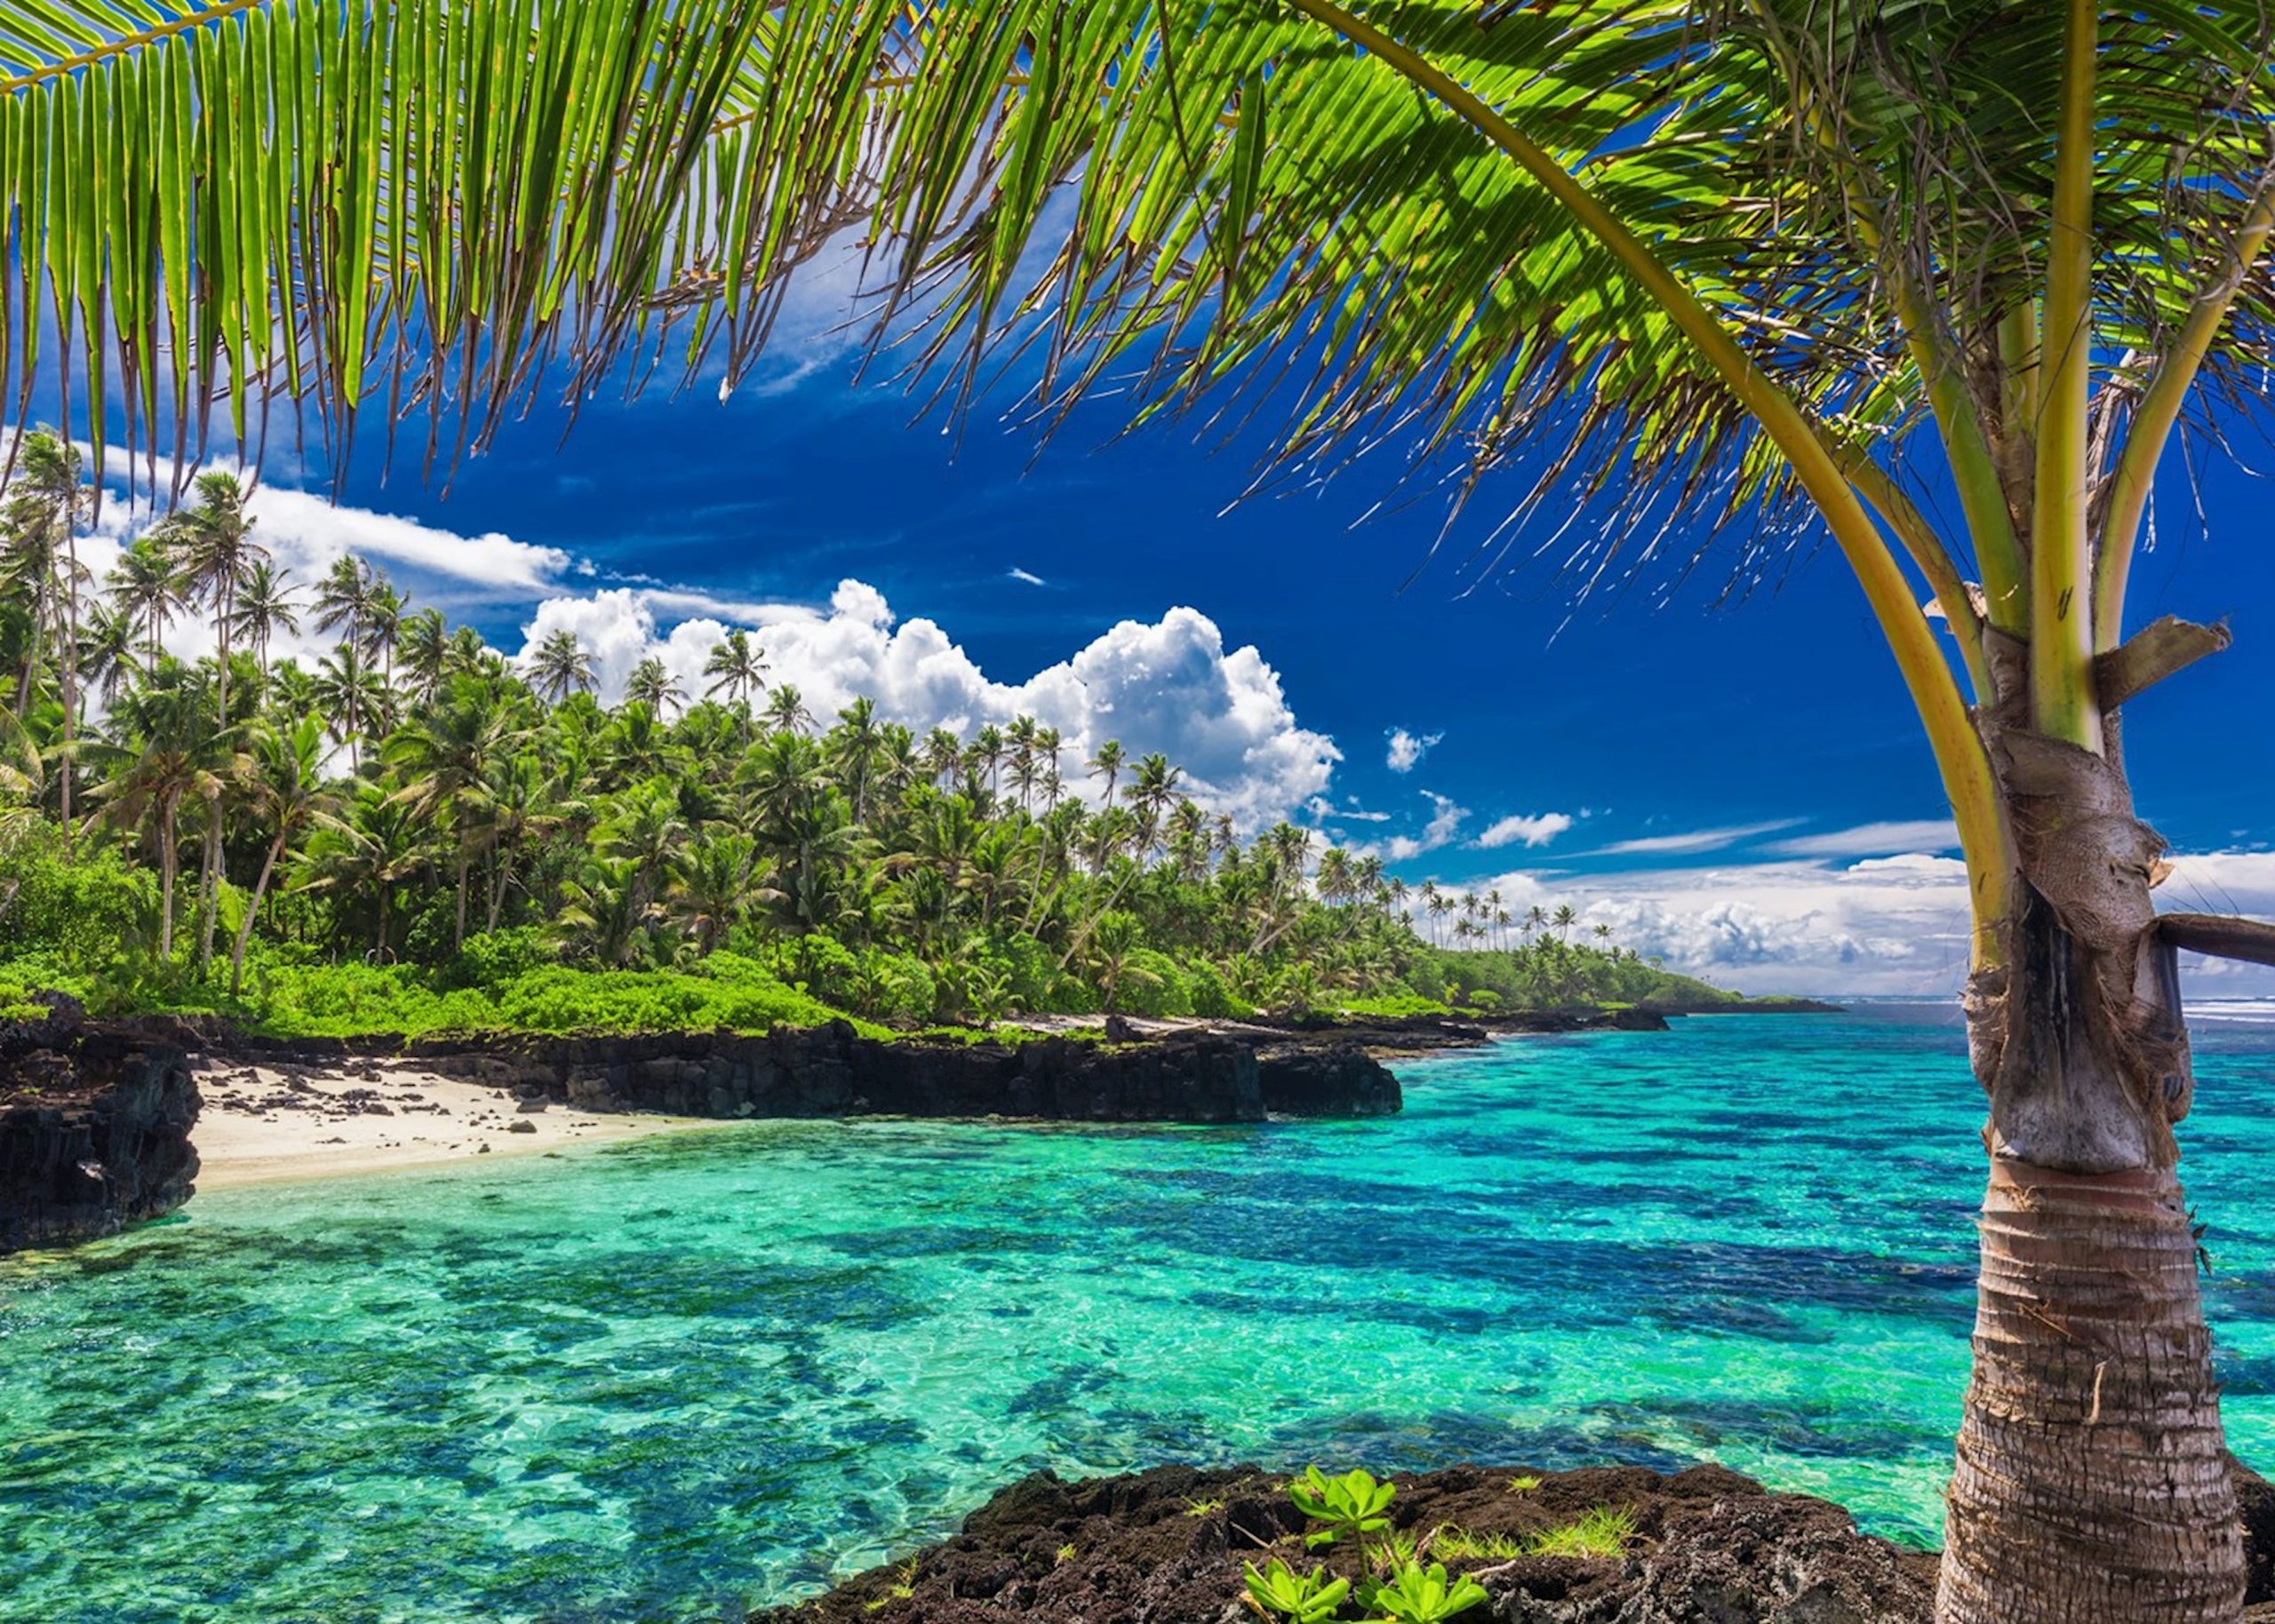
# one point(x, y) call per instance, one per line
point(1236, 179)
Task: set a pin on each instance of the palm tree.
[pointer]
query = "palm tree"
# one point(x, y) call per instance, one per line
point(284, 794)
point(1106, 763)
point(1759, 261)
point(442, 756)
point(423, 642)
point(210, 542)
point(351, 695)
point(166, 750)
point(144, 585)
point(785, 710)
point(383, 612)
point(653, 686)
point(48, 500)
point(344, 600)
point(739, 667)
point(558, 667)
point(265, 608)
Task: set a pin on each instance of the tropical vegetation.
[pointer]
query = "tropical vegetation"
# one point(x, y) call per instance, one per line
point(420, 834)
point(1948, 282)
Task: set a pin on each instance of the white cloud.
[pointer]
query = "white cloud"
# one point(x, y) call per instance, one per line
point(1407, 749)
point(1872, 839)
point(1536, 830)
point(1170, 685)
point(1692, 840)
point(1026, 576)
point(1445, 823)
point(1890, 925)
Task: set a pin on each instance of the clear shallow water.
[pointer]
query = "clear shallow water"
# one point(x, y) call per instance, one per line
point(667, 1379)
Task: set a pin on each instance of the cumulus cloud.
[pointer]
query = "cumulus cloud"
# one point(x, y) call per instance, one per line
point(1407, 749)
point(1895, 926)
point(1519, 830)
point(1169, 685)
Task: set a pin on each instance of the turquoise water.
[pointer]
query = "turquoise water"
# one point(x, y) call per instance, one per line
point(665, 1380)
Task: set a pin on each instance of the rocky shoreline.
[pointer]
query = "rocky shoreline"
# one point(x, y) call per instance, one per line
point(1168, 1546)
point(95, 1130)
point(97, 1117)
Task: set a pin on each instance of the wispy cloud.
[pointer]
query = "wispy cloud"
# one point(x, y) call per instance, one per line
point(1408, 748)
point(1534, 830)
point(1692, 840)
point(1446, 819)
point(1875, 840)
point(1027, 576)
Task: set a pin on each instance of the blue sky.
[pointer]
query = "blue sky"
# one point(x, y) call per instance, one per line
point(1740, 786)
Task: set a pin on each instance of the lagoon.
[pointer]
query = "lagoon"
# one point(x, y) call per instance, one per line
point(672, 1378)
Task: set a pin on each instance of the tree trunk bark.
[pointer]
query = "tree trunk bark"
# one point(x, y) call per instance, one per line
point(2091, 1484)
point(252, 908)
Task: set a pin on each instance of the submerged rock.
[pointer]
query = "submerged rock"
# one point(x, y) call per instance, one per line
point(94, 1130)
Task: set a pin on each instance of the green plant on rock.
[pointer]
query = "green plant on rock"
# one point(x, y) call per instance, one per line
point(1418, 1595)
point(1304, 1598)
point(1352, 1506)
point(1603, 1532)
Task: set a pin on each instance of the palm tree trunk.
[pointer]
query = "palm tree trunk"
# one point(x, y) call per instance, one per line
point(457, 931)
point(2092, 1481)
point(169, 871)
point(209, 883)
point(2092, 1484)
point(252, 910)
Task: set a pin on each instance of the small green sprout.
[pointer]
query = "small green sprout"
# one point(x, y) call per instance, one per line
point(1460, 1545)
point(1202, 1507)
point(1525, 1485)
point(1352, 1506)
point(1301, 1598)
point(1066, 1553)
point(1603, 1532)
point(1416, 1595)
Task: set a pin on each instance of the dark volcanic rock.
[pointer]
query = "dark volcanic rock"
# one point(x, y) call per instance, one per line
point(1339, 1079)
point(1200, 1077)
point(94, 1130)
point(1166, 1547)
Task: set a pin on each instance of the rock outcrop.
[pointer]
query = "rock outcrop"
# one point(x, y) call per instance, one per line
point(94, 1130)
point(1169, 1544)
point(1704, 1545)
point(832, 1070)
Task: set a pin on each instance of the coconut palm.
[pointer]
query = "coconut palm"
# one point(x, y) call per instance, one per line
point(739, 666)
point(652, 686)
point(284, 794)
point(1768, 261)
point(48, 502)
point(344, 601)
point(558, 667)
point(265, 607)
point(144, 586)
point(423, 646)
point(211, 544)
point(352, 698)
point(441, 755)
point(785, 710)
point(165, 750)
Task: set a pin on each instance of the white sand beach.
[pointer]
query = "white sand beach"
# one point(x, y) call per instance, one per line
point(307, 1119)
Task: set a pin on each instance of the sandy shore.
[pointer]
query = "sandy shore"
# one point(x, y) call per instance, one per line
point(288, 1120)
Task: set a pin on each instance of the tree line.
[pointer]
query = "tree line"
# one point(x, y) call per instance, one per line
point(417, 799)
